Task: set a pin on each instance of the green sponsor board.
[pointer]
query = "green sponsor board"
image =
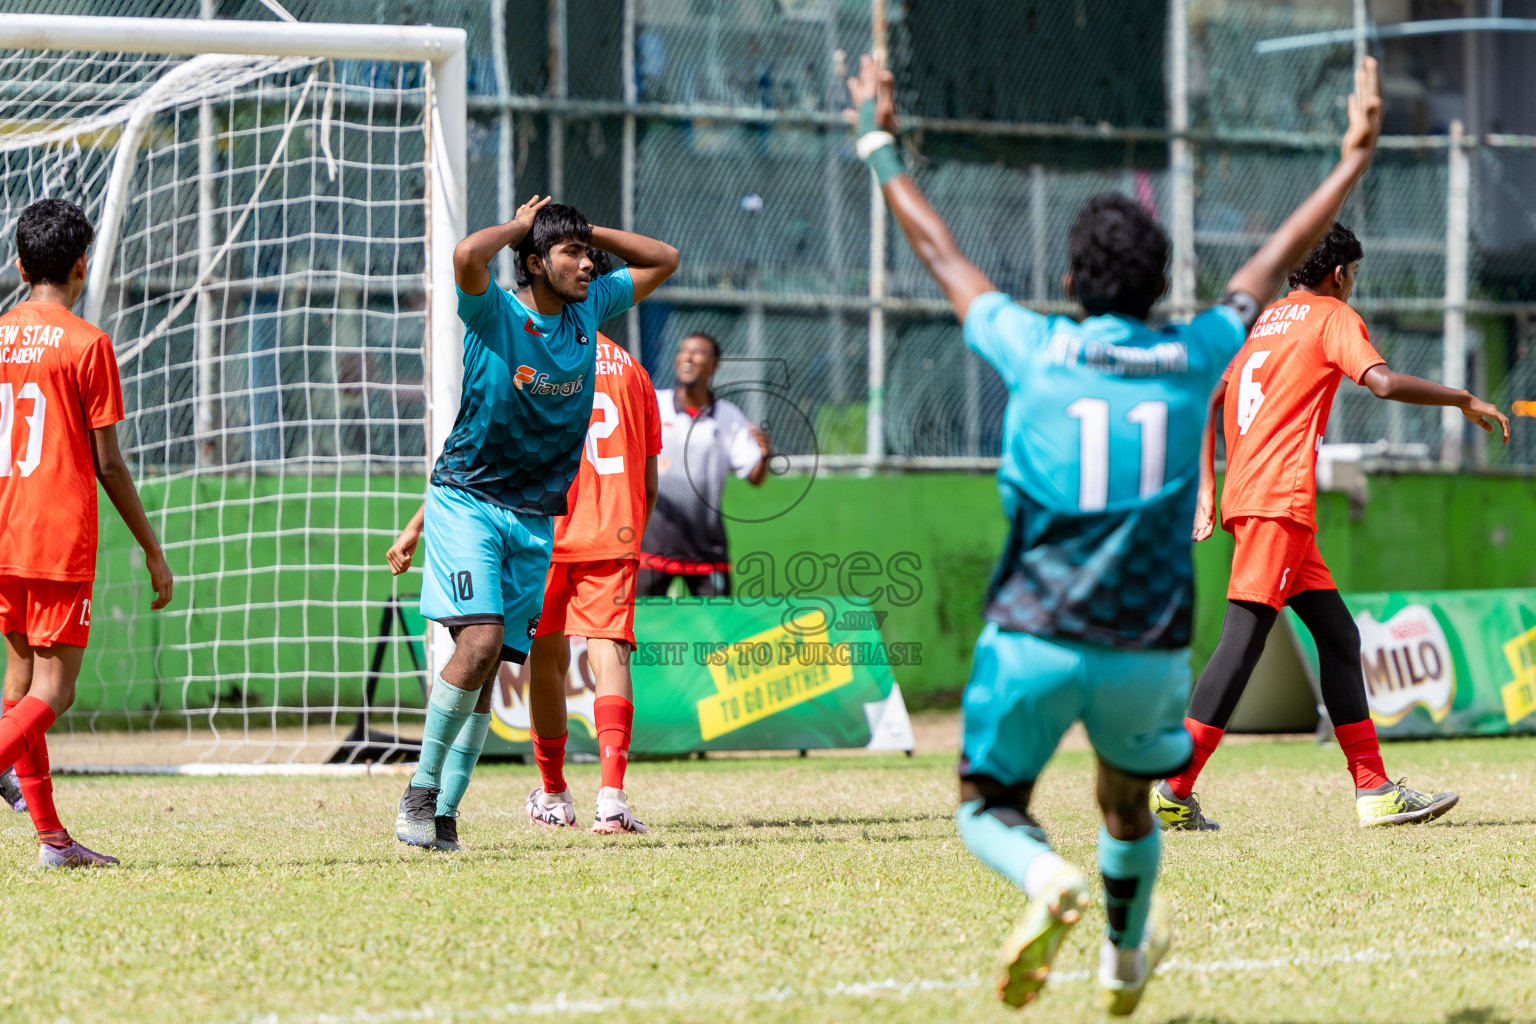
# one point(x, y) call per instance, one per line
point(723, 674)
point(1443, 663)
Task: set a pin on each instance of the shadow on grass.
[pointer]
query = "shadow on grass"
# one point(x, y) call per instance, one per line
point(735, 826)
point(1485, 823)
point(1467, 1015)
point(497, 849)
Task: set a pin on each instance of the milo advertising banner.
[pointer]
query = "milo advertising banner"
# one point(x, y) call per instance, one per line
point(1443, 663)
point(717, 674)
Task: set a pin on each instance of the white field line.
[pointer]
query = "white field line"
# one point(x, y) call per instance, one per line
point(563, 1006)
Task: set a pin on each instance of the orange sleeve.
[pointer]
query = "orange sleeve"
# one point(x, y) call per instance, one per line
point(1347, 346)
point(101, 389)
point(1226, 375)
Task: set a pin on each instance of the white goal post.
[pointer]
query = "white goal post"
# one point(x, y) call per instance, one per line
point(276, 208)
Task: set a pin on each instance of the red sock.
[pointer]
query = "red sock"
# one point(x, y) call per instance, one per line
point(37, 786)
point(6, 704)
point(549, 755)
point(1358, 741)
point(614, 717)
point(22, 727)
point(1207, 738)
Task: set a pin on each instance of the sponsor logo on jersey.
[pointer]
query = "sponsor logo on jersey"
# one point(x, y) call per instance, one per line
point(540, 384)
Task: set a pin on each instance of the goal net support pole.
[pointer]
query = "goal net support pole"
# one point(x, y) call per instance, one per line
point(213, 46)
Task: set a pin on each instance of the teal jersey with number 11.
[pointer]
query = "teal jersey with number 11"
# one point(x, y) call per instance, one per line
point(1100, 468)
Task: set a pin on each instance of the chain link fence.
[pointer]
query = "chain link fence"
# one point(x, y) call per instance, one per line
point(716, 125)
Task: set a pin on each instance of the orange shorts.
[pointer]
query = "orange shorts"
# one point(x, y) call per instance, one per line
point(47, 612)
point(590, 599)
point(1275, 559)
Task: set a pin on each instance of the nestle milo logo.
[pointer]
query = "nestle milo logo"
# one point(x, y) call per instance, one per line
point(1406, 662)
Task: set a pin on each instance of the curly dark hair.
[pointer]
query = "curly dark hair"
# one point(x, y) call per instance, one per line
point(553, 225)
point(1339, 248)
point(1119, 255)
point(51, 235)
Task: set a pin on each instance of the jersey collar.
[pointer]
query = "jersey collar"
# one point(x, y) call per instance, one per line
point(533, 322)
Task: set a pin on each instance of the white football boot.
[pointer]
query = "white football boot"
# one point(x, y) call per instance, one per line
point(555, 810)
point(613, 813)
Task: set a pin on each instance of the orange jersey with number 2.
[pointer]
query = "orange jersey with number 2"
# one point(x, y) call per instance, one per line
point(1280, 389)
point(607, 498)
point(58, 382)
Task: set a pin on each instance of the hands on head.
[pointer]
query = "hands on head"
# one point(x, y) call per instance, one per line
point(523, 218)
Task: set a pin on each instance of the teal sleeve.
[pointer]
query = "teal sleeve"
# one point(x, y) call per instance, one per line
point(474, 308)
point(1004, 333)
point(1220, 330)
point(611, 295)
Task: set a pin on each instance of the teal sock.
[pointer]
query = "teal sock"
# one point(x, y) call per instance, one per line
point(1130, 872)
point(461, 762)
point(447, 712)
point(1017, 851)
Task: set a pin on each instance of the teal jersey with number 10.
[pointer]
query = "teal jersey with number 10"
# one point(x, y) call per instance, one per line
point(1100, 468)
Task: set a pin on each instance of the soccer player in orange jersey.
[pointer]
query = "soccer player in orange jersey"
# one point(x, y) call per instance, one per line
point(590, 592)
point(1285, 377)
point(60, 400)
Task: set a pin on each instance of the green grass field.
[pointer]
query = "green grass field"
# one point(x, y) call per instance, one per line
point(833, 888)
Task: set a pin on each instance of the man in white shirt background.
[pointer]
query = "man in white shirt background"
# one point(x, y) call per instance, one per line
point(703, 439)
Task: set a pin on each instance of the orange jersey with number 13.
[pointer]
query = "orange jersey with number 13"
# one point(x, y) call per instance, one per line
point(58, 382)
point(1280, 389)
point(607, 498)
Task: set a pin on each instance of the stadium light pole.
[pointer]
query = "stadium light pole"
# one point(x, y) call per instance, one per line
point(1457, 242)
point(560, 88)
point(1181, 163)
point(506, 179)
point(206, 160)
point(875, 417)
point(627, 164)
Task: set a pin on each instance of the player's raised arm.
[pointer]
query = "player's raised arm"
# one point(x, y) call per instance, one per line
point(117, 481)
point(874, 118)
point(1263, 274)
point(650, 262)
point(472, 257)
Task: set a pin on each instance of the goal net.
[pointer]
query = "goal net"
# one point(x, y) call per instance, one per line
point(269, 229)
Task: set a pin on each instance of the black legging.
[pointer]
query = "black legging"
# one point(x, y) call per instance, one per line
point(656, 584)
point(1243, 633)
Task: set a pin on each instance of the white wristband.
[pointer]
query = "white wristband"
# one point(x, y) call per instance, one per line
point(871, 141)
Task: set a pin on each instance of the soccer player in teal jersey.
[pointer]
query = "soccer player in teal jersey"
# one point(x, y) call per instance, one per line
point(1089, 611)
point(506, 467)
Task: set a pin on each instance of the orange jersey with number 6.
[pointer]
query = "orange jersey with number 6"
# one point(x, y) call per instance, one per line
point(58, 382)
point(1280, 389)
point(607, 498)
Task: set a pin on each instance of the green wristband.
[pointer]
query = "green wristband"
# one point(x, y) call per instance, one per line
point(867, 122)
point(887, 164)
point(877, 147)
